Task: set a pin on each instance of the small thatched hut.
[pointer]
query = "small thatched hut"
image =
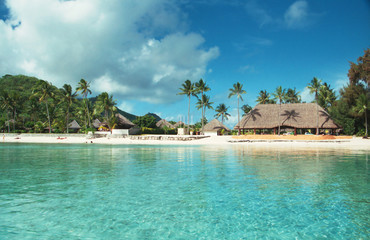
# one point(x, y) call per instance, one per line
point(179, 124)
point(292, 116)
point(162, 123)
point(214, 128)
point(96, 123)
point(74, 125)
point(123, 122)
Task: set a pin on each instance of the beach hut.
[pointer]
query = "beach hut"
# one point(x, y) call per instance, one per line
point(180, 124)
point(163, 123)
point(123, 122)
point(292, 117)
point(214, 128)
point(74, 126)
point(96, 123)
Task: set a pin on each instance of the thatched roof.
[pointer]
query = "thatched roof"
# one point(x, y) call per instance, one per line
point(96, 123)
point(296, 115)
point(179, 124)
point(122, 122)
point(163, 123)
point(214, 126)
point(74, 125)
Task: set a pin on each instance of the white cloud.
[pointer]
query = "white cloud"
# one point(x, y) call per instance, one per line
point(296, 15)
point(132, 49)
point(125, 106)
point(306, 96)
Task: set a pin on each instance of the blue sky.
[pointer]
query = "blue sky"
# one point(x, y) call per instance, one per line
point(142, 51)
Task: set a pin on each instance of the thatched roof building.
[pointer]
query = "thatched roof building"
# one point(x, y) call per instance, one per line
point(214, 127)
point(74, 125)
point(123, 122)
point(294, 115)
point(179, 124)
point(162, 123)
point(96, 123)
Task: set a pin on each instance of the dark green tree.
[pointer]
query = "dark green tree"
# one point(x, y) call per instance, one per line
point(221, 110)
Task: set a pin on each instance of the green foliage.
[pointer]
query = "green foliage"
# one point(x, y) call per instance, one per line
point(360, 71)
point(146, 121)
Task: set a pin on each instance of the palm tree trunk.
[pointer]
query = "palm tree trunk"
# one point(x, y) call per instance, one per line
point(14, 113)
point(7, 118)
point(47, 111)
point(317, 118)
point(67, 119)
point(202, 116)
point(88, 113)
point(238, 119)
point(188, 131)
point(366, 123)
point(279, 118)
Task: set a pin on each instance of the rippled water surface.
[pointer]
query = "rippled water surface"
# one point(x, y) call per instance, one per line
point(193, 192)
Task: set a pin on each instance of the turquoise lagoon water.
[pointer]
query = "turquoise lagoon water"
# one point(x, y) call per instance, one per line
point(173, 192)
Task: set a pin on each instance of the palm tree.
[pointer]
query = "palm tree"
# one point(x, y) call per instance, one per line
point(5, 103)
point(68, 98)
point(362, 104)
point(204, 102)
point(201, 87)
point(263, 98)
point(314, 87)
point(246, 109)
point(326, 96)
point(292, 96)
point(237, 91)
point(84, 87)
point(43, 92)
point(188, 90)
point(221, 110)
point(279, 95)
point(105, 103)
point(14, 101)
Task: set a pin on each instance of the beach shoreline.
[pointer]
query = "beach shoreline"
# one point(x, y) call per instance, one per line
point(355, 143)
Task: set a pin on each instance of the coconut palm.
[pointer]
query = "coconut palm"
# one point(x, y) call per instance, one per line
point(204, 102)
point(292, 96)
point(221, 110)
point(263, 98)
point(326, 96)
point(14, 102)
point(200, 88)
point(5, 103)
point(362, 104)
point(237, 91)
point(314, 87)
point(279, 95)
point(188, 90)
point(105, 103)
point(68, 98)
point(84, 87)
point(44, 92)
point(246, 109)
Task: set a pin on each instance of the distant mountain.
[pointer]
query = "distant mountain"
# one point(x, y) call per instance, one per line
point(157, 118)
point(127, 115)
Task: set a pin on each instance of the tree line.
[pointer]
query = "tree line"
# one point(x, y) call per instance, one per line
point(32, 105)
point(349, 109)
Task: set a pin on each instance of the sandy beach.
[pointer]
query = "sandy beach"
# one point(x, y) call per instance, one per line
point(342, 142)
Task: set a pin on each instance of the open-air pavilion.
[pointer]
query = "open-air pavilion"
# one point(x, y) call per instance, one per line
point(294, 117)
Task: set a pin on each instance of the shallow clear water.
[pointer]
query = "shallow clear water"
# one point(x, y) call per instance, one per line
point(172, 192)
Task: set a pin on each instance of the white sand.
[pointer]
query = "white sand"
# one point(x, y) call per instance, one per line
point(217, 141)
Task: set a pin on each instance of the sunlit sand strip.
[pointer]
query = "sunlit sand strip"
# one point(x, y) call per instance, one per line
point(217, 141)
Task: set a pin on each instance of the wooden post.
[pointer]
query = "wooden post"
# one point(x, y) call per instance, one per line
point(274, 131)
point(295, 131)
point(254, 131)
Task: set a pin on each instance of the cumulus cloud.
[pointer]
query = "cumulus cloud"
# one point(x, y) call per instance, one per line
point(132, 49)
point(296, 15)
